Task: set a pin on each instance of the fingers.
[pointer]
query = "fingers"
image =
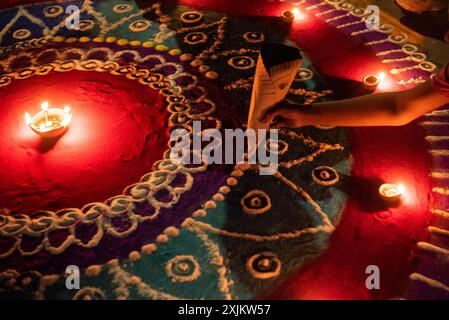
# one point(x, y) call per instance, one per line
point(282, 109)
point(279, 110)
point(269, 117)
point(283, 123)
point(268, 114)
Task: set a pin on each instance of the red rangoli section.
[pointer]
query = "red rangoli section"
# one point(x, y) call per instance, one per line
point(118, 130)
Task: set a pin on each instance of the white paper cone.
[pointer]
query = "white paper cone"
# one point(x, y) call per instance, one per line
point(271, 85)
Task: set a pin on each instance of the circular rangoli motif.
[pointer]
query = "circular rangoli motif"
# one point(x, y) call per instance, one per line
point(264, 265)
point(325, 176)
point(139, 25)
point(53, 11)
point(21, 34)
point(191, 17)
point(254, 37)
point(195, 38)
point(256, 202)
point(122, 8)
point(183, 269)
point(242, 62)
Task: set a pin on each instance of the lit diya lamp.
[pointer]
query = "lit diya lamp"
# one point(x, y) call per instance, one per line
point(288, 16)
point(294, 14)
point(49, 122)
point(391, 192)
point(372, 81)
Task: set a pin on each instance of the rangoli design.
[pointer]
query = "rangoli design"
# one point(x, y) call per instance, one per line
point(195, 232)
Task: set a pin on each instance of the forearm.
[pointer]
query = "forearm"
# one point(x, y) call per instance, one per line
point(383, 109)
point(371, 110)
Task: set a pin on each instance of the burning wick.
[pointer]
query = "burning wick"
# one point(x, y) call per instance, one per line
point(391, 192)
point(371, 82)
point(44, 107)
point(50, 122)
point(297, 14)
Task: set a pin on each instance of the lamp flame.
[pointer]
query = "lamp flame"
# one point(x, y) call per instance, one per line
point(28, 118)
point(44, 106)
point(298, 15)
point(66, 120)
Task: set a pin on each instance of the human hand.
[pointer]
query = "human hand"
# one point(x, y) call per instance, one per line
point(284, 115)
